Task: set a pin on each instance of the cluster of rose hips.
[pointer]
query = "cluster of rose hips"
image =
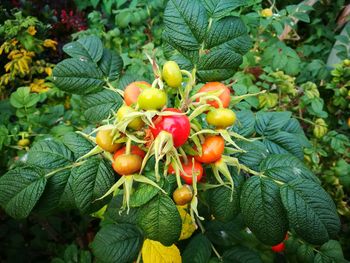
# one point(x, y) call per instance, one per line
point(144, 127)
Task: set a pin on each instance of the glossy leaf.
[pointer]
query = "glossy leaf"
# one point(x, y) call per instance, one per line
point(156, 217)
point(198, 250)
point(49, 154)
point(100, 105)
point(117, 243)
point(286, 167)
point(263, 211)
point(311, 211)
point(78, 76)
point(89, 47)
point(91, 181)
point(20, 190)
point(215, 48)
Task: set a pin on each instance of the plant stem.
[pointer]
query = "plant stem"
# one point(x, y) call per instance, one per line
point(199, 223)
point(128, 146)
point(310, 122)
point(139, 257)
point(63, 168)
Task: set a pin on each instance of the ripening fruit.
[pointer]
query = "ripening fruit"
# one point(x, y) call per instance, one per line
point(279, 247)
point(191, 168)
point(224, 96)
point(178, 126)
point(23, 142)
point(349, 122)
point(171, 74)
point(126, 164)
point(136, 123)
point(183, 195)
point(267, 12)
point(152, 99)
point(212, 149)
point(221, 118)
point(134, 150)
point(133, 90)
point(104, 139)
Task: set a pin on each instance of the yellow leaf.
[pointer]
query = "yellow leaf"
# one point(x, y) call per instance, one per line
point(267, 12)
point(188, 226)
point(48, 71)
point(38, 85)
point(155, 252)
point(8, 66)
point(31, 30)
point(49, 43)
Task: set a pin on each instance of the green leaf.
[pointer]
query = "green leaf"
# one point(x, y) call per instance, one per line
point(4, 136)
point(330, 252)
point(270, 122)
point(240, 254)
point(220, 205)
point(225, 234)
point(215, 48)
point(305, 253)
point(219, 8)
point(245, 123)
point(58, 194)
point(225, 44)
point(283, 143)
point(117, 243)
point(49, 154)
point(293, 127)
point(255, 153)
point(111, 65)
point(263, 210)
point(281, 57)
point(23, 98)
point(156, 218)
point(99, 106)
point(91, 181)
point(78, 76)
point(73, 254)
point(286, 167)
point(115, 214)
point(20, 190)
point(191, 22)
point(89, 47)
point(77, 144)
point(302, 16)
point(311, 211)
point(145, 192)
point(198, 250)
